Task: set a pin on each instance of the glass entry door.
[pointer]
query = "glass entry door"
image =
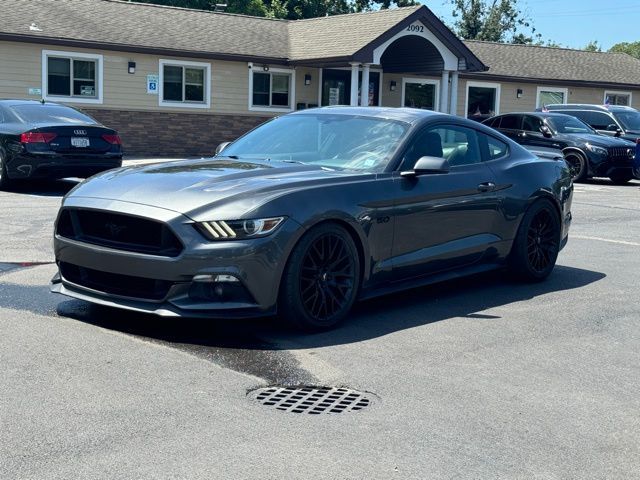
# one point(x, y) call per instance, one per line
point(336, 87)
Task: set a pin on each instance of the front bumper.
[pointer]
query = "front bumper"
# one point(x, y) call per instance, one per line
point(39, 166)
point(257, 264)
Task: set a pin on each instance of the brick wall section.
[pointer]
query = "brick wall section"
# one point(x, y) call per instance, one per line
point(168, 134)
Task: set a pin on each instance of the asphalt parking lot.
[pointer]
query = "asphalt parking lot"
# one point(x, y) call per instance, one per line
point(480, 378)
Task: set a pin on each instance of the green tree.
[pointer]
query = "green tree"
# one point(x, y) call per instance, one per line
point(593, 46)
point(493, 21)
point(632, 48)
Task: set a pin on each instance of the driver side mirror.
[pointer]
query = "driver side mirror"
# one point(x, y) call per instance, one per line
point(221, 147)
point(614, 128)
point(546, 131)
point(426, 166)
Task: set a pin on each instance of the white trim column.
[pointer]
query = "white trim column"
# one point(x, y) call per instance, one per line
point(364, 88)
point(353, 99)
point(453, 105)
point(444, 92)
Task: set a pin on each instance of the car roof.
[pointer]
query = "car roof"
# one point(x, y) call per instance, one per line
point(536, 114)
point(18, 101)
point(404, 114)
point(586, 106)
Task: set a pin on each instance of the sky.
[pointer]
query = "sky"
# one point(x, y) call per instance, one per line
point(572, 23)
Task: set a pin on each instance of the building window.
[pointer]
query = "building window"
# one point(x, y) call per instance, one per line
point(72, 76)
point(420, 93)
point(483, 100)
point(617, 98)
point(184, 84)
point(271, 89)
point(551, 95)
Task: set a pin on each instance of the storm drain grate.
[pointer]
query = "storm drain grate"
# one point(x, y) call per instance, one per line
point(312, 400)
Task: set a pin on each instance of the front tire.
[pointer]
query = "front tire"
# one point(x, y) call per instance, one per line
point(321, 280)
point(577, 165)
point(537, 243)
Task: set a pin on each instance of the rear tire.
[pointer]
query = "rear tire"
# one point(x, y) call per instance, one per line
point(577, 166)
point(5, 181)
point(536, 246)
point(621, 178)
point(321, 280)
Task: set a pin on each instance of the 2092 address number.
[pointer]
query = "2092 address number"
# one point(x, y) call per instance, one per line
point(415, 28)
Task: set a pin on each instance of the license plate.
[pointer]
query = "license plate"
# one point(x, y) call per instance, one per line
point(79, 142)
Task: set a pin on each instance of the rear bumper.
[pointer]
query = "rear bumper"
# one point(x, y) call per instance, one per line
point(39, 166)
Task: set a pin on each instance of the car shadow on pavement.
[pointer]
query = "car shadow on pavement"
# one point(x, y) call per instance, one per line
point(42, 188)
point(606, 182)
point(369, 319)
point(265, 348)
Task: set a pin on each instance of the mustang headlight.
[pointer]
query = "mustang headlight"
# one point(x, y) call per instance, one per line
point(239, 229)
point(597, 150)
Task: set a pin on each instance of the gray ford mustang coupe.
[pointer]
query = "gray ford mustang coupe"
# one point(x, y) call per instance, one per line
point(310, 212)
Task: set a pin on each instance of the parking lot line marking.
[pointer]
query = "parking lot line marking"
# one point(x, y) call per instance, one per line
point(621, 242)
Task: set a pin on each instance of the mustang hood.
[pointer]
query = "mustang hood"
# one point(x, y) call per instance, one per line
point(191, 187)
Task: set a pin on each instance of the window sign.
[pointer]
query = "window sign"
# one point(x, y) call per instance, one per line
point(35, 91)
point(334, 96)
point(152, 84)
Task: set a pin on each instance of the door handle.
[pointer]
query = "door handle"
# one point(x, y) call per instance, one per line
point(486, 187)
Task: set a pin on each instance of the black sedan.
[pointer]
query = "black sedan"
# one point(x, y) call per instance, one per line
point(310, 212)
point(48, 140)
point(588, 153)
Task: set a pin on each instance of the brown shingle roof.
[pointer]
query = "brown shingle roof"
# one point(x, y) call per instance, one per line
point(546, 63)
point(117, 22)
point(341, 35)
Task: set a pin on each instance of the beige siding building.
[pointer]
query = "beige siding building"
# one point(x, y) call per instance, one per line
point(177, 81)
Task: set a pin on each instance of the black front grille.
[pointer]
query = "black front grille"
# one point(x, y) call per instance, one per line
point(119, 231)
point(621, 155)
point(116, 284)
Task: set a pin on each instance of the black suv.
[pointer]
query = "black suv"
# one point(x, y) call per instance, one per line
point(588, 153)
point(615, 120)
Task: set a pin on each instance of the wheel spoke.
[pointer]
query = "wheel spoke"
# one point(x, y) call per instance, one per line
point(327, 277)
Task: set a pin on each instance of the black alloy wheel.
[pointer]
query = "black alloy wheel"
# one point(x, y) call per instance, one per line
point(321, 279)
point(537, 244)
point(577, 165)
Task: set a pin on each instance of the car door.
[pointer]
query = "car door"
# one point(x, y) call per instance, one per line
point(532, 135)
point(511, 126)
point(443, 221)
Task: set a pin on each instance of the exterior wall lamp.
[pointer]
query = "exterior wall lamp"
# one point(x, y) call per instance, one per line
point(519, 93)
point(131, 67)
point(392, 85)
point(265, 68)
point(307, 79)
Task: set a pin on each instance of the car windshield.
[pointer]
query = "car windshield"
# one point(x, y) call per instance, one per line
point(36, 113)
point(328, 140)
point(567, 124)
point(630, 120)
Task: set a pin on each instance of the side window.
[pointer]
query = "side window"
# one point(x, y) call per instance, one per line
point(494, 123)
point(459, 145)
point(510, 122)
point(598, 120)
point(491, 147)
point(531, 124)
